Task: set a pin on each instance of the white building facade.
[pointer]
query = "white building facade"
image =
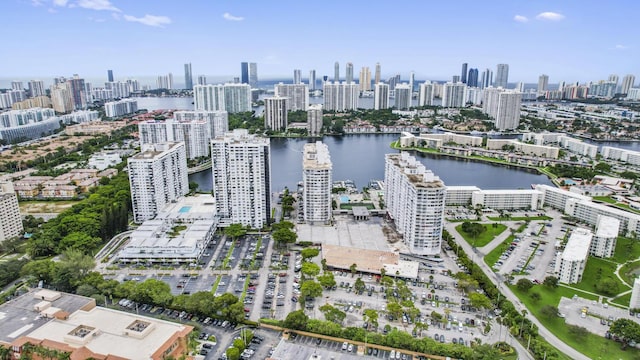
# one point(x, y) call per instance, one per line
point(317, 181)
point(572, 261)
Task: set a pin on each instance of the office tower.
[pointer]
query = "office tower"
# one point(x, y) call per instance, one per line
point(312, 80)
point(415, 201)
point(218, 121)
point(412, 80)
point(463, 74)
point(237, 98)
point(365, 79)
point(165, 81)
point(36, 88)
point(297, 95)
point(502, 75)
point(336, 72)
point(381, 96)
point(61, 97)
point(403, 96)
point(349, 73)
point(158, 176)
point(543, 83)
point(627, 83)
point(10, 220)
point(314, 120)
point(317, 183)
point(244, 72)
point(78, 92)
point(472, 78)
point(377, 79)
point(17, 85)
point(340, 97)
point(425, 94)
point(486, 79)
point(297, 76)
point(188, 77)
point(455, 79)
point(241, 166)
point(208, 97)
point(120, 108)
point(253, 75)
point(453, 95)
point(614, 78)
point(202, 80)
point(110, 75)
point(503, 106)
point(275, 113)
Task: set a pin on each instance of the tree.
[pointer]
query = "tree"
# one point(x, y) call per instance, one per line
point(233, 353)
point(578, 332)
point(549, 311)
point(353, 268)
point(394, 309)
point(310, 269)
point(602, 167)
point(73, 266)
point(296, 320)
point(327, 280)
point(332, 314)
point(383, 272)
point(370, 316)
point(284, 236)
point(79, 241)
point(535, 297)
point(153, 291)
point(311, 288)
point(524, 285)
point(235, 231)
point(239, 344)
point(386, 281)
point(607, 286)
point(626, 329)
point(309, 253)
point(193, 186)
point(359, 285)
point(551, 281)
point(479, 301)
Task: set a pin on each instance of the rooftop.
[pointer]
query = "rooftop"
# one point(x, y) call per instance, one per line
point(316, 156)
point(201, 207)
point(607, 227)
point(151, 151)
point(370, 261)
point(414, 170)
point(577, 248)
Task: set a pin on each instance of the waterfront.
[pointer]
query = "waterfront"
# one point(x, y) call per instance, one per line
point(361, 158)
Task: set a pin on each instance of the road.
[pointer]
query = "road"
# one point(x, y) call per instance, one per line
point(543, 331)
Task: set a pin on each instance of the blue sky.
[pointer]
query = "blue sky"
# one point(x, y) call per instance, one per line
point(568, 40)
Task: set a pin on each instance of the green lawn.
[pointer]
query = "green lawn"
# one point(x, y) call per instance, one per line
point(596, 270)
point(615, 203)
point(627, 272)
point(349, 206)
point(519, 218)
point(604, 199)
point(491, 258)
point(594, 346)
point(491, 231)
point(626, 249)
point(623, 300)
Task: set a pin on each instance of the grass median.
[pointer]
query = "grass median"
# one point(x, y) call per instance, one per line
point(482, 239)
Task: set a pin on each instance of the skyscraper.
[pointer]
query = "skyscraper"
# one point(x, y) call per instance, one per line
point(415, 201)
point(312, 80)
point(275, 113)
point(188, 77)
point(377, 79)
point(349, 73)
point(237, 98)
point(393, 81)
point(336, 72)
point(36, 88)
point(425, 95)
point(340, 97)
point(543, 83)
point(78, 92)
point(614, 78)
point(454, 94)
point(253, 75)
point(504, 106)
point(463, 74)
point(297, 95)
point(17, 85)
point(365, 79)
point(158, 176)
point(61, 98)
point(10, 220)
point(241, 166)
point(202, 80)
point(317, 183)
point(244, 72)
point(165, 81)
point(472, 78)
point(502, 75)
point(314, 119)
point(627, 83)
point(110, 75)
point(412, 80)
point(403, 96)
point(209, 97)
point(381, 96)
point(297, 76)
point(487, 79)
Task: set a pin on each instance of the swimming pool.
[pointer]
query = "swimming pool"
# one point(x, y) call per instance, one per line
point(344, 199)
point(184, 209)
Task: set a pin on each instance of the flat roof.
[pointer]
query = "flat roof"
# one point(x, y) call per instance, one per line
point(200, 207)
point(316, 156)
point(370, 261)
point(510, 191)
point(577, 248)
point(463, 188)
point(607, 227)
point(360, 211)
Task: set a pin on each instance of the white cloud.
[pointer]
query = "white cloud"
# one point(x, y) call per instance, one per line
point(551, 16)
point(97, 5)
point(230, 17)
point(60, 2)
point(520, 18)
point(150, 20)
point(115, 15)
point(36, 2)
point(621, 47)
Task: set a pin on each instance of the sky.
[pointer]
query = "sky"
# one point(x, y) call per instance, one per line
point(569, 40)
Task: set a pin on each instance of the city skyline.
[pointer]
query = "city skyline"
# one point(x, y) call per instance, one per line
point(532, 33)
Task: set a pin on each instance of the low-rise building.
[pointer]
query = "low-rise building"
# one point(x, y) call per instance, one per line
point(460, 195)
point(573, 259)
point(104, 160)
point(506, 199)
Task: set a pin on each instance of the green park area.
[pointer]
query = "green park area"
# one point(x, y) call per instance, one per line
point(478, 234)
point(349, 206)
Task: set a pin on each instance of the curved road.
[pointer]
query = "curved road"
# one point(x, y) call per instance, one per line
point(543, 331)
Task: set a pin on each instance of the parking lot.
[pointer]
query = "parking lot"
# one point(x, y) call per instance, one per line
point(594, 316)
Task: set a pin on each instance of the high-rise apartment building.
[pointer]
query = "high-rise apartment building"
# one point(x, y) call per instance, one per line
point(627, 83)
point(603, 243)
point(153, 132)
point(158, 176)
point(312, 80)
point(614, 78)
point(412, 80)
point(472, 78)
point(78, 92)
point(393, 81)
point(381, 96)
point(486, 79)
point(502, 75)
point(297, 76)
point(454, 94)
point(237, 98)
point(188, 77)
point(340, 96)
point(297, 95)
point(241, 166)
point(208, 97)
point(275, 113)
point(36, 88)
point(195, 135)
point(253, 75)
point(543, 83)
point(120, 108)
point(365, 79)
point(218, 121)
point(336, 72)
point(17, 85)
point(348, 76)
point(10, 218)
point(572, 261)
point(503, 106)
point(463, 73)
point(202, 80)
point(244, 72)
point(317, 183)
point(110, 75)
point(165, 81)
point(377, 79)
point(314, 120)
point(61, 97)
point(415, 200)
point(425, 94)
point(403, 96)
